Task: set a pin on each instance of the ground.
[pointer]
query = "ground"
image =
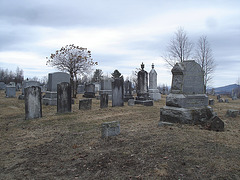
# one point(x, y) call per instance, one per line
point(69, 146)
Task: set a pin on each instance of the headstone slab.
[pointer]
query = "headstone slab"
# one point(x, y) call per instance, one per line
point(188, 78)
point(2, 85)
point(110, 129)
point(106, 84)
point(153, 91)
point(211, 102)
point(103, 100)
point(85, 104)
point(56, 78)
point(117, 92)
point(10, 91)
point(27, 83)
point(89, 90)
point(80, 89)
point(64, 99)
point(127, 91)
point(33, 102)
point(142, 86)
point(131, 102)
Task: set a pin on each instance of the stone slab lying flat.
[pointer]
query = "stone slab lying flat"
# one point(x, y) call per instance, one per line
point(144, 102)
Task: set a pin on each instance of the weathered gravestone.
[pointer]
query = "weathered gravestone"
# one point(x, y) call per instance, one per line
point(106, 87)
point(26, 84)
point(50, 97)
point(110, 129)
point(33, 102)
point(142, 88)
point(117, 92)
point(103, 100)
point(153, 91)
point(85, 104)
point(131, 102)
point(89, 91)
point(215, 124)
point(232, 113)
point(2, 85)
point(127, 91)
point(10, 91)
point(187, 102)
point(64, 98)
point(80, 89)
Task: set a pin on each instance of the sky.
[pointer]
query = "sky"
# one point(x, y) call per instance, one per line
point(121, 34)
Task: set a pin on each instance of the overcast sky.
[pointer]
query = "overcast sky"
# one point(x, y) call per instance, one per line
point(120, 33)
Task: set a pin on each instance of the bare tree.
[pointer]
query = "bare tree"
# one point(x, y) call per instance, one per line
point(74, 60)
point(179, 48)
point(204, 56)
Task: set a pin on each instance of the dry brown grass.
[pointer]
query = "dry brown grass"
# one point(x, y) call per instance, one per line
point(68, 146)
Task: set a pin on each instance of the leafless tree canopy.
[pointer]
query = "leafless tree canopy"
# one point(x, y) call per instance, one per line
point(74, 60)
point(179, 48)
point(204, 57)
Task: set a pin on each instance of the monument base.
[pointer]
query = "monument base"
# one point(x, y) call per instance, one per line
point(144, 102)
point(186, 115)
point(127, 97)
point(154, 94)
point(50, 98)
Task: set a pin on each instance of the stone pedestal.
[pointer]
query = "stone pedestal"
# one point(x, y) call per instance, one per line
point(89, 91)
point(154, 94)
point(50, 98)
point(33, 102)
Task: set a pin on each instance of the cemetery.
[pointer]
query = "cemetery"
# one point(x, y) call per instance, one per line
point(112, 137)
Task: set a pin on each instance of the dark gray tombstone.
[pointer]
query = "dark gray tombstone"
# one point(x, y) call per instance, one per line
point(117, 92)
point(226, 101)
point(127, 91)
point(110, 129)
point(211, 102)
point(33, 102)
point(218, 96)
point(106, 87)
point(142, 89)
point(85, 104)
point(64, 99)
point(89, 91)
point(103, 100)
point(10, 91)
point(216, 124)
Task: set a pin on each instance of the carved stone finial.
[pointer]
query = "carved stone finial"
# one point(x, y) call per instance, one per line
point(152, 66)
point(142, 66)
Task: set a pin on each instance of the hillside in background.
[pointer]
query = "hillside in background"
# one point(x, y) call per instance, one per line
point(224, 89)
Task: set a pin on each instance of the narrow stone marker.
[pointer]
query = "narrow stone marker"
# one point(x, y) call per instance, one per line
point(103, 100)
point(110, 129)
point(33, 102)
point(64, 99)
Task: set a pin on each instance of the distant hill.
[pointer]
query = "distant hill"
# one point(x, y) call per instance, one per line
point(224, 89)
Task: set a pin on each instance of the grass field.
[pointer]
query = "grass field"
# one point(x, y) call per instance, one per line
point(69, 146)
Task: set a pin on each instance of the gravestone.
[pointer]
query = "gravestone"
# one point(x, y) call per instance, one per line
point(103, 100)
point(12, 84)
point(221, 100)
point(117, 92)
point(89, 91)
point(187, 102)
point(85, 104)
point(142, 88)
point(211, 102)
point(127, 91)
point(33, 102)
point(218, 96)
point(110, 129)
point(106, 87)
point(26, 84)
point(215, 124)
point(226, 101)
point(153, 91)
point(232, 113)
point(97, 87)
point(64, 98)
point(54, 79)
point(80, 89)
point(131, 102)
point(10, 91)
point(2, 86)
